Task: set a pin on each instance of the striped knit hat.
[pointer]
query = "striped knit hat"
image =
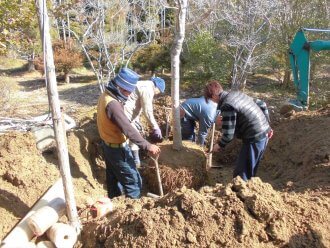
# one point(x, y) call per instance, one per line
point(126, 79)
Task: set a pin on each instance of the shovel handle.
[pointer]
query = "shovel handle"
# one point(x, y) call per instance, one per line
point(159, 181)
point(211, 147)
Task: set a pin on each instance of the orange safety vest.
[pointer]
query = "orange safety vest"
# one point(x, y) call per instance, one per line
point(109, 132)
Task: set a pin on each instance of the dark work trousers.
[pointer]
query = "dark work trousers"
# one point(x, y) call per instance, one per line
point(121, 173)
point(249, 159)
point(188, 129)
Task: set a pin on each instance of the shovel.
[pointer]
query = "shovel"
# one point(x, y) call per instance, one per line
point(167, 121)
point(155, 159)
point(209, 161)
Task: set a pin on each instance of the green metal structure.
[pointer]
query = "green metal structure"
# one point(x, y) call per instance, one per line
point(299, 54)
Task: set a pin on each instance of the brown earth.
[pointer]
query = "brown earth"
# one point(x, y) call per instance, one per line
point(288, 206)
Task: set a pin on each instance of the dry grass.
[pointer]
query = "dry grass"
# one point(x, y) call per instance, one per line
point(11, 63)
point(8, 87)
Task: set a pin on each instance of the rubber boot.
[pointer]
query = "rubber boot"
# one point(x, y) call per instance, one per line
point(136, 158)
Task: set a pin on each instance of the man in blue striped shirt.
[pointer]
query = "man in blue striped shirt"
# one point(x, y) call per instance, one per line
point(248, 120)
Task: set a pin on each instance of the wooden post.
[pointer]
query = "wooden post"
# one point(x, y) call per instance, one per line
point(211, 147)
point(59, 130)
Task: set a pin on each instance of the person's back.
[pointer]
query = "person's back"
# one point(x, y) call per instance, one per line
point(247, 119)
point(141, 98)
point(251, 123)
point(203, 110)
point(200, 110)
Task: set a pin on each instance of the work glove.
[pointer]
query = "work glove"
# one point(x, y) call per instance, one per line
point(270, 134)
point(156, 136)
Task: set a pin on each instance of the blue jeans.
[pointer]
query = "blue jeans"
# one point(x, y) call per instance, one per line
point(188, 129)
point(121, 173)
point(249, 158)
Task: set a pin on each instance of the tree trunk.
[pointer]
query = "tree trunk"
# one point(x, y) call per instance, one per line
point(175, 71)
point(68, 23)
point(59, 130)
point(312, 72)
point(31, 66)
point(287, 78)
point(287, 73)
point(66, 78)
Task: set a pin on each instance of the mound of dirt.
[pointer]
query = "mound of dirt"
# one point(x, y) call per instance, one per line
point(298, 156)
point(26, 173)
point(24, 176)
point(163, 114)
point(240, 214)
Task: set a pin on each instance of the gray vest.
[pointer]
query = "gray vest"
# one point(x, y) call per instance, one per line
point(251, 123)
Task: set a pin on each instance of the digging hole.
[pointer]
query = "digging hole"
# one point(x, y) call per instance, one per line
point(177, 168)
point(186, 167)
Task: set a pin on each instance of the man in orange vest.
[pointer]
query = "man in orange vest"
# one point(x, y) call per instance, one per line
point(115, 130)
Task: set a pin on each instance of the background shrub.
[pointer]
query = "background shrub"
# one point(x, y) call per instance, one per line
point(154, 57)
point(204, 59)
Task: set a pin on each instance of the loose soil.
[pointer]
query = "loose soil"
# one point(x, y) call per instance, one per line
point(286, 206)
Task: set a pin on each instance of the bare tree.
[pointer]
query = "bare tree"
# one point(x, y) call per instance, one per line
point(245, 24)
point(175, 70)
point(198, 11)
point(110, 31)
